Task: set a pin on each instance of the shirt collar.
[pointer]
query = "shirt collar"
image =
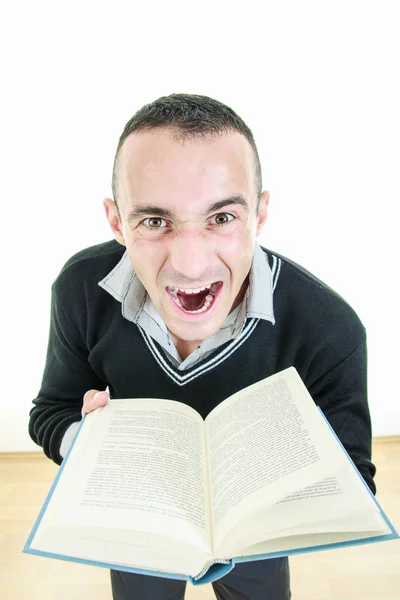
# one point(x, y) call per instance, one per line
point(125, 286)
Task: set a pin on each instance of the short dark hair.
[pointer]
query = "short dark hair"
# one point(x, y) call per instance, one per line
point(188, 116)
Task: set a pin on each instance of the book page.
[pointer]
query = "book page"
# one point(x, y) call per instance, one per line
point(330, 505)
point(124, 548)
point(290, 543)
point(265, 442)
point(138, 465)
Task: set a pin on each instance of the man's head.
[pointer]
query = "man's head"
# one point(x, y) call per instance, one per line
point(188, 206)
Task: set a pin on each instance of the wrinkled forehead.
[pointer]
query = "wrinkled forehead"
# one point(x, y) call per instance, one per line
point(158, 165)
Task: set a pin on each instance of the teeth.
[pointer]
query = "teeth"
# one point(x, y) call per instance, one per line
point(211, 289)
point(193, 291)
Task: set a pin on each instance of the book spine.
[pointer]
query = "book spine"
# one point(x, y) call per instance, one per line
point(206, 568)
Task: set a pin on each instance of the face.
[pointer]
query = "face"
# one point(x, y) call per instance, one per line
point(187, 216)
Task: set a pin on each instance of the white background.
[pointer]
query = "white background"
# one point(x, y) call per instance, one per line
point(317, 82)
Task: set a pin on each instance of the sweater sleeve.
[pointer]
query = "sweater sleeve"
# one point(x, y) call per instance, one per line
point(67, 377)
point(342, 396)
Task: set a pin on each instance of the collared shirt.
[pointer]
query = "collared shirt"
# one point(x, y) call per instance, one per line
point(125, 286)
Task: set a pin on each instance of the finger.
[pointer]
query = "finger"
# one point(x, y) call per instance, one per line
point(93, 399)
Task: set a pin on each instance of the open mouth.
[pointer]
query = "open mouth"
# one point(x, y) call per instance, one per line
point(194, 301)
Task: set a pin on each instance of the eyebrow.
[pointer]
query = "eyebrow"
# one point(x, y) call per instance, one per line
point(238, 199)
point(145, 210)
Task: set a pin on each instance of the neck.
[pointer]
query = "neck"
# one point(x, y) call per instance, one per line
point(185, 347)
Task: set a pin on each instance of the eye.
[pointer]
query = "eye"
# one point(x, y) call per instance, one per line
point(221, 218)
point(154, 223)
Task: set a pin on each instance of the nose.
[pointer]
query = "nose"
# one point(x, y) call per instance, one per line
point(190, 254)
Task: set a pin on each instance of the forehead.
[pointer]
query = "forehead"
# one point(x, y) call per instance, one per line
point(155, 165)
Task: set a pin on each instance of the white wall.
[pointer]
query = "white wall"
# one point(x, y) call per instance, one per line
point(316, 81)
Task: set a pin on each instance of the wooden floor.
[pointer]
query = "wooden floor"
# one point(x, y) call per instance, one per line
point(369, 572)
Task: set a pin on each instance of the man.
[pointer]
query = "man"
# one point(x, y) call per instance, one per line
point(186, 305)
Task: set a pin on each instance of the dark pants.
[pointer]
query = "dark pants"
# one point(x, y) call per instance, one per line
point(260, 580)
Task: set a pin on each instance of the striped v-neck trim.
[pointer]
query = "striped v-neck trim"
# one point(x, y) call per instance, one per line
point(196, 371)
point(276, 270)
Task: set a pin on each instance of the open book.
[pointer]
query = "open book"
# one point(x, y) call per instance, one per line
point(149, 487)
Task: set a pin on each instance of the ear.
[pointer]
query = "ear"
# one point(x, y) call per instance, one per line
point(114, 220)
point(262, 214)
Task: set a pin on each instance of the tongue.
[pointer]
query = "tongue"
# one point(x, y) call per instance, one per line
point(192, 301)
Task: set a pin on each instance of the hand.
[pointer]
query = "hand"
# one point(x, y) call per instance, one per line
point(93, 399)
